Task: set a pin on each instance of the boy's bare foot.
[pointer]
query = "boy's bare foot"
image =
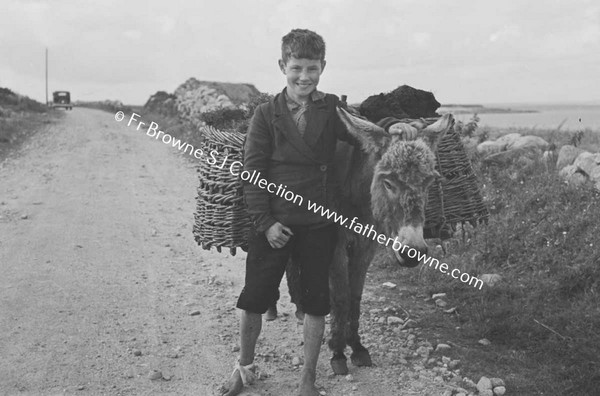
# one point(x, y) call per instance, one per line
point(308, 390)
point(307, 385)
point(271, 313)
point(242, 375)
point(233, 387)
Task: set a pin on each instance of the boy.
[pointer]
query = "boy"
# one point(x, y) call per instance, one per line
point(291, 142)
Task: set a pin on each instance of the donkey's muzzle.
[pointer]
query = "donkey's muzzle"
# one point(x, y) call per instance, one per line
point(410, 258)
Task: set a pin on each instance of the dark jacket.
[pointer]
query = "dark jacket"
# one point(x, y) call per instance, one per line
point(301, 164)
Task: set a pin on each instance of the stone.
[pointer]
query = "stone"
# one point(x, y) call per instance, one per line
point(567, 155)
point(137, 352)
point(529, 142)
point(441, 303)
point(410, 323)
point(484, 384)
point(509, 139)
point(568, 171)
point(445, 359)
point(587, 162)
point(442, 347)
point(389, 285)
point(155, 375)
point(394, 320)
point(490, 279)
point(490, 147)
point(499, 390)
point(484, 342)
point(438, 295)
point(423, 351)
point(487, 392)
point(496, 382)
point(194, 313)
point(296, 361)
point(349, 378)
point(453, 365)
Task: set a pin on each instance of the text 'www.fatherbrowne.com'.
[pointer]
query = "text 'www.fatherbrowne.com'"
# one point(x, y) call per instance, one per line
point(214, 158)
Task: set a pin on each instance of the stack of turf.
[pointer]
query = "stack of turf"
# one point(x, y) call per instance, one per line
point(454, 199)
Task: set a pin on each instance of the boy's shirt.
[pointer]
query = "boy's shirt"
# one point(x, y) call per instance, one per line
point(299, 111)
point(293, 146)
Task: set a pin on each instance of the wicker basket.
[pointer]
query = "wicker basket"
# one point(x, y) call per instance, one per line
point(221, 219)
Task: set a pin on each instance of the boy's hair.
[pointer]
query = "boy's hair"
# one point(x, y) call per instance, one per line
point(302, 43)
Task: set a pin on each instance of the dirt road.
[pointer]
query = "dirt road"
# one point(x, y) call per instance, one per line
point(103, 290)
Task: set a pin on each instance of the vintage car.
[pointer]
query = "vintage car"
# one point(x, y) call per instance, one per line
point(62, 99)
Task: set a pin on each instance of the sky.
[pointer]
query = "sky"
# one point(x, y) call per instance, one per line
point(471, 51)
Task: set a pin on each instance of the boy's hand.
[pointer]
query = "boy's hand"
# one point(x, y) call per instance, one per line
point(408, 132)
point(278, 235)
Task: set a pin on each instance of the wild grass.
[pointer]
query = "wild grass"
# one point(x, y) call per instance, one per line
point(20, 118)
point(543, 238)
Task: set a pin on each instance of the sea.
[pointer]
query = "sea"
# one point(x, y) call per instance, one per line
point(562, 117)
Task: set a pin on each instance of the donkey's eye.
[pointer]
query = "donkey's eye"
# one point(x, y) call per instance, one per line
point(388, 184)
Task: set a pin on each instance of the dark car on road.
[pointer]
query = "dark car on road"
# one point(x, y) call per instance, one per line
point(62, 99)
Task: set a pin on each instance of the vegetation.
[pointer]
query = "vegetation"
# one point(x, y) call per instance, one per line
point(543, 238)
point(20, 117)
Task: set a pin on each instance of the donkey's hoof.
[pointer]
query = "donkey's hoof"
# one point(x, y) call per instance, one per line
point(339, 366)
point(361, 358)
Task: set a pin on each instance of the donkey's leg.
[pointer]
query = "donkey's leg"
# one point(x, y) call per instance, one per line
point(358, 273)
point(339, 291)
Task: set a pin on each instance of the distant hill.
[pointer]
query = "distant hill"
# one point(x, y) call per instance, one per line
point(477, 108)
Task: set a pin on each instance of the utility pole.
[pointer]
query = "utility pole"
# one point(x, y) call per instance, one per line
point(46, 76)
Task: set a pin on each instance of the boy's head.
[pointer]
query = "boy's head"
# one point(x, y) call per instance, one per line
point(302, 44)
point(302, 61)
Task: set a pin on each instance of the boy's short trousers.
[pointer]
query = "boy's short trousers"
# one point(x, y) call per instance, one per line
point(310, 249)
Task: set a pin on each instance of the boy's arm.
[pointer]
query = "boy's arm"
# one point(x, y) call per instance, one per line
point(257, 153)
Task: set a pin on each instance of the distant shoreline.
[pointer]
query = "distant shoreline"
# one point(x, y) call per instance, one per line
point(479, 109)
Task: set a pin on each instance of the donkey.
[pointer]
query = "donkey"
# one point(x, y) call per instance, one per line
point(384, 181)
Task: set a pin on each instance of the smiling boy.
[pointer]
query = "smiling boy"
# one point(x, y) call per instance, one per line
point(291, 141)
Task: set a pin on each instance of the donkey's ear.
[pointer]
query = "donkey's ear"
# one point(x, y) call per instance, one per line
point(370, 137)
point(434, 133)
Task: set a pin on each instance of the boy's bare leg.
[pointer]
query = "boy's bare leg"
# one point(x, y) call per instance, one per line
point(314, 327)
point(250, 326)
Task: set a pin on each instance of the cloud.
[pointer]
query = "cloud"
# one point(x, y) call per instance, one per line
point(507, 33)
point(132, 34)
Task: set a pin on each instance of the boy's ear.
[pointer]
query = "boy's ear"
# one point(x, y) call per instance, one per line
point(281, 64)
point(370, 137)
point(323, 63)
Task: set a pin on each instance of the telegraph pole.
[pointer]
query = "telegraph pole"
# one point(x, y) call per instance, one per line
point(46, 76)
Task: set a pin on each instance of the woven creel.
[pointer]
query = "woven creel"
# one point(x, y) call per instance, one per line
point(221, 220)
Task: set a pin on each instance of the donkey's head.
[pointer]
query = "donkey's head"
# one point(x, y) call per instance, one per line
point(403, 172)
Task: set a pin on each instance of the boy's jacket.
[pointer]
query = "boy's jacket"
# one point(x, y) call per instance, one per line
point(300, 164)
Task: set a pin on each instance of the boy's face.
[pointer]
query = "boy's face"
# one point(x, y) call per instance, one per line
point(302, 76)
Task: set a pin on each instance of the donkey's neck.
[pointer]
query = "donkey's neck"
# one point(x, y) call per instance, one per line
point(356, 186)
